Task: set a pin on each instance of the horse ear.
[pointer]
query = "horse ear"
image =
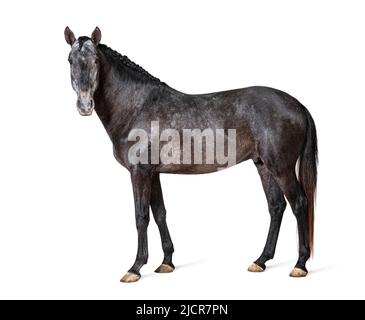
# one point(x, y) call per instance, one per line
point(96, 36)
point(69, 36)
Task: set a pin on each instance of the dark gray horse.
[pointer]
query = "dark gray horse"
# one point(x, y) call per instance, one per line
point(272, 128)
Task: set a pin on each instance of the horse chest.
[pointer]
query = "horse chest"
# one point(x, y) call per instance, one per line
point(119, 155)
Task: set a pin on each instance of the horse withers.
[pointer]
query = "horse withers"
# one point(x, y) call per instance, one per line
point(269, 127)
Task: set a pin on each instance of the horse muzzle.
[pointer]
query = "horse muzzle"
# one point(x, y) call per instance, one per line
point(85, 103)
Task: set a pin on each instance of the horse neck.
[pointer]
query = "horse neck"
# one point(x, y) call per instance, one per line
point(118, 99)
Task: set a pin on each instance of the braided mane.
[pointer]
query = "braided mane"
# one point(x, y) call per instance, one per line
point(123, 63)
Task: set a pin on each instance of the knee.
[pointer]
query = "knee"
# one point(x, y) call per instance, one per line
point(160, 216)
point(142, 221)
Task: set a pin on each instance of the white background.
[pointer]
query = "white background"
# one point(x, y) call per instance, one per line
point(67, 225)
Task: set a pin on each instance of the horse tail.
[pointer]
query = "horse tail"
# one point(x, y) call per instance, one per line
point(308, 172)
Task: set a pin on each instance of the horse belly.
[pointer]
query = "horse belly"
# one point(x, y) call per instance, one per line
point(189, 168)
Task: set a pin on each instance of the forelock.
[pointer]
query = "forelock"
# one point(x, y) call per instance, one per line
point(84, 45)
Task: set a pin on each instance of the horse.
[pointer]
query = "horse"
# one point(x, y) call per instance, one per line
point(272, 128)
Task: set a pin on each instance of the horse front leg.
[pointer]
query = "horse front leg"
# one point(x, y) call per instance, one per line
point(159, 213)
point(141, 181)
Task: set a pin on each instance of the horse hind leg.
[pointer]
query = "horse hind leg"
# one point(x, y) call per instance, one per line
point(277, 204)
point(298, 201)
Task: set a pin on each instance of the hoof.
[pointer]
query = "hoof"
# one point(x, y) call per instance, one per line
point(130, 277)
point(164, 268)
point(298, 273)
point(255, 268)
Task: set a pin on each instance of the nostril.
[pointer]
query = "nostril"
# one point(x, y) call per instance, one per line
point(85, 106)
